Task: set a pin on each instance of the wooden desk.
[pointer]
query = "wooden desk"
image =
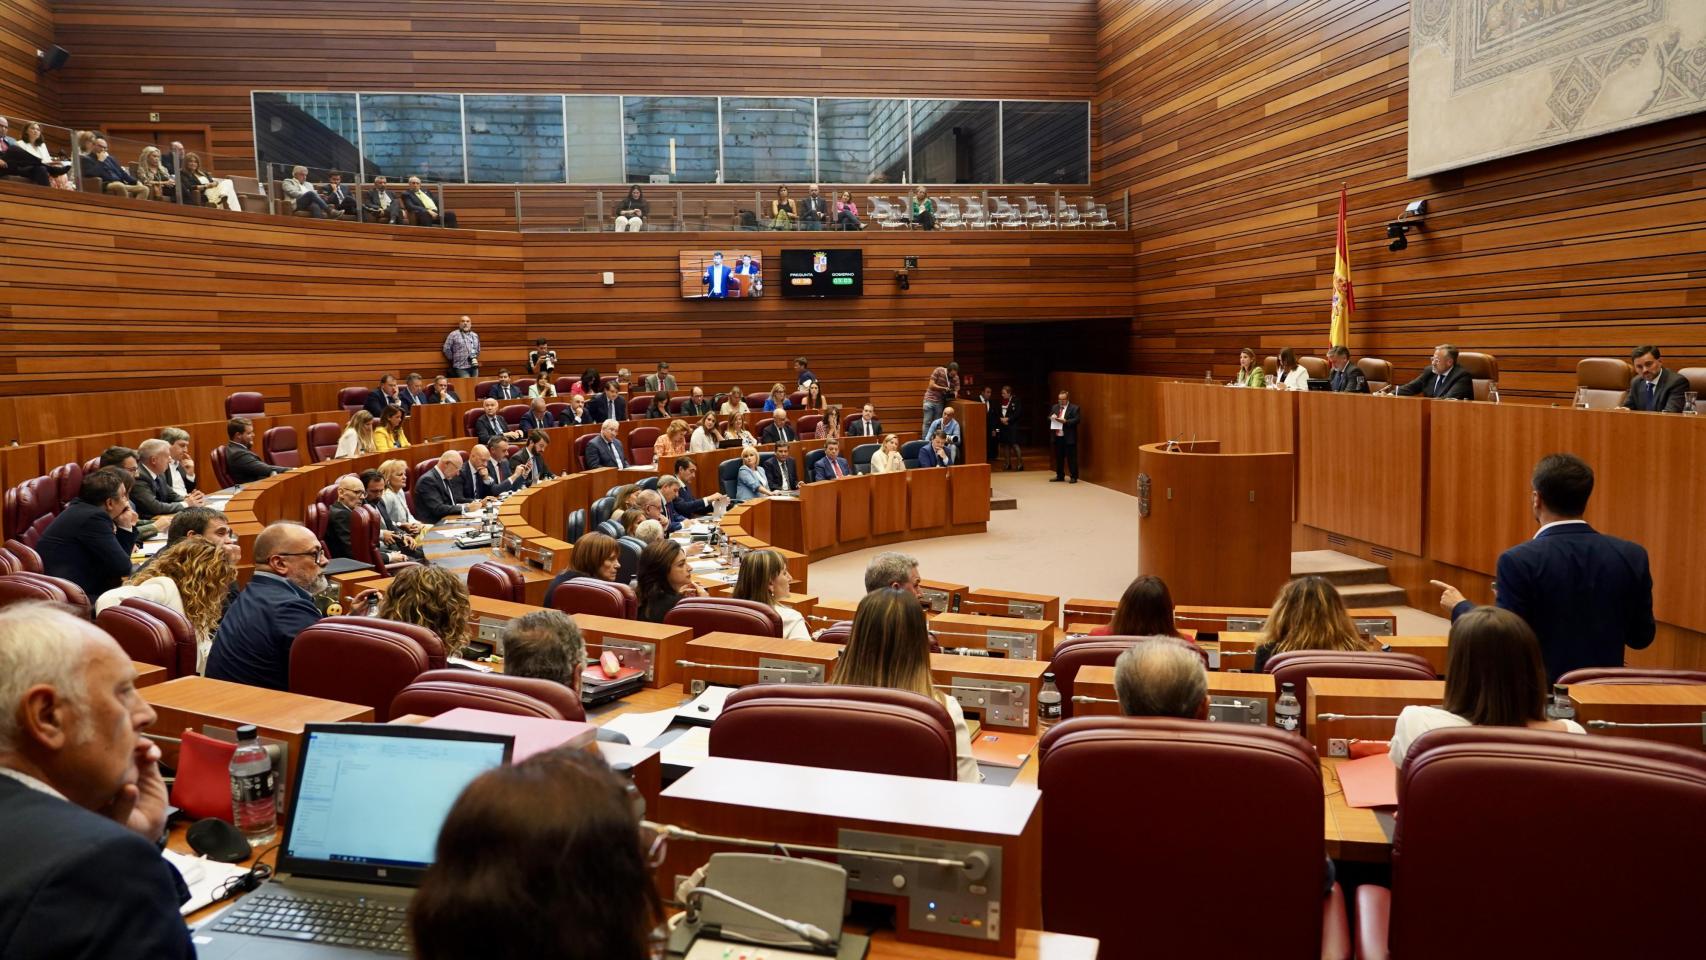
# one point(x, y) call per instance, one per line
point(827, 612)
point(1643, 703)
point(996, 602)
point(942, 596)
point(1098, 682)
point(1378, 497)
point(1239, 649)
point(738, 660)
point(1377, 698)
point(1244, 421)
point(1353, 833)
point(1012, 636)
point(148, 674)
point(1374, 620)
point(1093, 612)
point(1001, 693)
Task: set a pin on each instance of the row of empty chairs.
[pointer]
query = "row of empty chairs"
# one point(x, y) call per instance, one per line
point(970, 212)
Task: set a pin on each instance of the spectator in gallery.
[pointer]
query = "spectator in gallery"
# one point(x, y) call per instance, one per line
point(302, 195)
point(923, 209)
point(424, 209)
point(783, 211)
point(632, 211)
point(847, 212)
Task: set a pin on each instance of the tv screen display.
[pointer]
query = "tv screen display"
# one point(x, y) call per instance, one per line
point(823, 273)
point(721, 274)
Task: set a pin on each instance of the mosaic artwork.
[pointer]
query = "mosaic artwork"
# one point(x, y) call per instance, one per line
point(1491, 78)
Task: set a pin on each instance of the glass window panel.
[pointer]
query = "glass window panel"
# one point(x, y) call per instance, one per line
point(767, 139)
point(514, 139)
point(412, 134)
point(1045, 142)
point(595, 139)
point(317, 130)
point(861, 141)
point(956, 141)
point(676, 136)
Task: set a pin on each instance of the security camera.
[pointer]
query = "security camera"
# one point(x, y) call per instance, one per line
point(1411, 219)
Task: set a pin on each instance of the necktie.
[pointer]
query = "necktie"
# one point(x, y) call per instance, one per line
point(616, 452)
point(160, 486)
point(1652, 395)
point(835, 467)
point(1439, 384)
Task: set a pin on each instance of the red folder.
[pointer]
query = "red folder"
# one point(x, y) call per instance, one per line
point(532, 734)
point(1369, 782)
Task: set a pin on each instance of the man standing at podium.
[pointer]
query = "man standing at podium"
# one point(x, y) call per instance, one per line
point(1063, 423)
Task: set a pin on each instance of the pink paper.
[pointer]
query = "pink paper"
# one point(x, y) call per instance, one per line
point(1369, 782)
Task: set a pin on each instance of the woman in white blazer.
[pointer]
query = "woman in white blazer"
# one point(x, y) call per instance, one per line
point(888, 459)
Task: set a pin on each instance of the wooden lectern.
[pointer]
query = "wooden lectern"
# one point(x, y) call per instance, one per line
point(1216, 526)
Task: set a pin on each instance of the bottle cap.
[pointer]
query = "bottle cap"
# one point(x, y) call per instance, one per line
point(1048, 676)
point(1288, 688)
point(247, 731)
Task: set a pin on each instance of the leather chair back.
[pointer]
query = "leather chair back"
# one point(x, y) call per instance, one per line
point(869, 729)
point(1642, 676)
point(40, 586)
point(470, 417)
point(909, 452)
point(497, 581)
point(9, 563)
point(10, 508)
point(1270, 366)
point(602, 508)
point(611, 528)
point(39, 497)
point(639, 406)
point(1074, 655)
point(1297, 666)
point(278, 447)
point(1603, 382)
point(807, 424)
point(1624, 811)
point(328, 494)
point(648, 483)
point(796, 399)
point(362, 660)
point(353, 398)
point(364, 529)
point(838, 633)
point(1378, 372)
point(641, 440)
point(1483, 367)
point(33, 535)
point(483, 389)
point(1316, 367)
point(576, 525)
point(145, 639)
point(318, 518)
point(513, 412)
point(221, 466)
point(437, 691)
point(556, 410)
point(811, 461)
point(29, 561)
point(628, 551)
point(712, 614)
point(415, 473)
point(92, 464)
point(755, 401)
point(245, 405)
point(726, 474)
point(323, 441)
point(183, 635)
point(862, 455)
point(1696, 377)
point(1141, 772)
point(600, 598)
point(68, 482)
point(847, 422)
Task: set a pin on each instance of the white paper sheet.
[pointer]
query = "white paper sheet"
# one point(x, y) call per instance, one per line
point(204, 878)
point(690, 749)
point(641, 728)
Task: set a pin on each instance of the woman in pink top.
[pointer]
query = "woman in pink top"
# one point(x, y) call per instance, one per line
point(847, 212)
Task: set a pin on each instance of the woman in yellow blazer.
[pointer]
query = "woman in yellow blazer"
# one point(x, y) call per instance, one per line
point(1250, 372)
point(389, 434)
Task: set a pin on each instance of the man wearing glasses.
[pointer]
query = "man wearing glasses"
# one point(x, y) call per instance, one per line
point(252, 645)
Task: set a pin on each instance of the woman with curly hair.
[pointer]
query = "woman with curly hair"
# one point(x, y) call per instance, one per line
point(434, 598)
point(193, 577)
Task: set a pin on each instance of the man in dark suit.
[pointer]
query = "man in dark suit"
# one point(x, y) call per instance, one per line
point(1587, 595)
point(528, 464)
point(577, 414)
point(867, 424)
point(538, 416)
point(492, 424)
point(373, 489)
point(685, 504)
point(717, 279)
point(240, 459)
point(420, 204)
point(388, 395)
point(505, 389)
point(1063, 423)
point(814, 210)
point(417, 392)
point(831, 466)
point(115, 179)
point(779, 430)
point(1346, 376)
point(442, 391)
point(338, 196)
point(608, 405)
point(1443, 379)
point(153, 494)
point(780, 469)
point(485, 475)
point(351, 493)
point(696, 405)
point(1654, 387)
point(605, 450)
point(89, 542)
point(380, 205)
point(438, 492)
point(82, 799)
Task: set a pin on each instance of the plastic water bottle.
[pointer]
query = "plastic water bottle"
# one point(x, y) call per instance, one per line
point(1048, 701)
point(1560, 707)
point(253, 790)
point(1492, 391)
point(1287, 711)
point(1208, 378)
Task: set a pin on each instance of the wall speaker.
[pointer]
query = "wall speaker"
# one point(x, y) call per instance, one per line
point(52, 58)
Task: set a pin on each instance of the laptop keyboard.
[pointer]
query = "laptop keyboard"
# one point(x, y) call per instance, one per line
point(367, 924)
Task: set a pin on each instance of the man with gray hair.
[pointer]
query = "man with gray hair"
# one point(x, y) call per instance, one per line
point(438, 492)
point(545, 645)
point(1161, 677)
point(82, 798)
point(891, 569)
point(605, 450)
point(1443, 379)
point(180, 473)
point(153, 494)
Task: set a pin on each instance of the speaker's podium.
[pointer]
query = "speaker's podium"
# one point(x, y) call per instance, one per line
point(1216, 526)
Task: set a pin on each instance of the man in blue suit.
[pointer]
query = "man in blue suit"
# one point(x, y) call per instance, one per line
point(831, 466)
point(717, 279)
point(1587, 595)
point(605, 450)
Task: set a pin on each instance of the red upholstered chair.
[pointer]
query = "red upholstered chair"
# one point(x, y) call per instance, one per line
point(513, 413)
point(183, 635)
point(641, 441)
point(600, 598)
point(1297, 666)
point(1696, 377)
point(9, 563)
point(1588, 676)
point(1074, 655)
point(221, 467)
point(1316, 367)
point(1483, 367)
point(364, 529)
point(92, 464)
point(713, 614)
point(415, 473)
point(328, 494)
point(1603, 381)
point(639, 406)
point(581, 443)
point(278, 447)
point(565, 384)
point(68, 482)
point(362, 660)
point(29, 561)
point(497, 581)
point(39, 497)
point(1141, 772)
point(470, 417)
point(33, 535)
point(795, 399)
point(838, 632)
point(869, 729)
point(145, 639)
point(317, 519)
point(353, 398)
point(438, 691)
point(245, 405)
point(755, 401)
point(10, 509)
point(19, 586)
point(1520, 806)
point(323, 441)
point(483, 389)
point(807, 424)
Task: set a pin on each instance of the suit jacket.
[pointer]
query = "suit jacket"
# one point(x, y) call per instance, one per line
point(412, 202)
point(79, 886)
point(377, 401)
point(84, 546)
point(650, 383)
point(485, 429)
point(338, 195)
point(294, 189)
point(448, 396)
point(686, 505)
point(781, 474)
point(1587, 596)
point(153, 495)
point(927, 457)
point(252, 644)
point(696, 410)
point(542, 421)
point(858, 429)
point(245, 466)
point(540, 470)
point(1010, 431)
point(568, 419)
point(1350, 380)
point(437, 497)
point(606, 453)
point(718, 280)
point(1459, 385)
point(416, 399)
point(773, 435)
point(814, 208)
point(1069, 434)
point(600, 409)
point(338, 530)
point(110, 169)
point(506, 391)
point(1670, 390)
point(822, 470)
point(490, 482)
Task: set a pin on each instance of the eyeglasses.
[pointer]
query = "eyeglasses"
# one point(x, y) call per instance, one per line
point(318, 553)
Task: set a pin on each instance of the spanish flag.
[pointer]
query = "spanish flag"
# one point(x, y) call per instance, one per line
point(1344, 301)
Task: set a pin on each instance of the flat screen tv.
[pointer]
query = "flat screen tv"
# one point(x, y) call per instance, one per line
point(721, 274)
point(818, 272)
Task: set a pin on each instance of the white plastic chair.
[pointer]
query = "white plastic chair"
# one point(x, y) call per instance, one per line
point(1036, 215)
point(948, 215)
point(1006, 215)
point(885, 214)
point(976, 217)
point(1067, 214)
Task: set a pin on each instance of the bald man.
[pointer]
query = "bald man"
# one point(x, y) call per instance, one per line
point(1161, 677)
point(438, 492)
point(81, 797)
point(351, 493)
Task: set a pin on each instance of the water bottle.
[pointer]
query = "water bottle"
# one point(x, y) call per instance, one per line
point(1492, 391)
point(1287, 712)
point(1581, 401)
point(253, 789)
point(1690, 403)
point(1560, 707)
point(1048, 701)
point(1208, 378)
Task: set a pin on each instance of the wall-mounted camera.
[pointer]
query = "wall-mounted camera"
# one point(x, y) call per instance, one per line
point(1412, 219)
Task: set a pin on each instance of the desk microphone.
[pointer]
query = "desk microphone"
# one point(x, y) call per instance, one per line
point(1330, 717)
point(967, 651)
point(975, 865)
point(1615, 725)
point(690, 664)
point(810, 933)
point(1173, 444)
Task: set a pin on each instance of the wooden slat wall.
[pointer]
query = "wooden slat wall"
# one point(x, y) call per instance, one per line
point(101, 293)
point(25, 27)
point(209, 56)
point(1232, 123)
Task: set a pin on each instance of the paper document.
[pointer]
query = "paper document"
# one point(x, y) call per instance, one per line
point(1056, 424)
point(152, 547)
point(1369, 782)
point(704, 566)
point(204, 878)
point(215, 503)
point(706, 706)
point(688, 750)
point(641, 728)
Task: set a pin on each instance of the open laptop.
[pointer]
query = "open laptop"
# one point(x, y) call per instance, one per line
point(359, 835)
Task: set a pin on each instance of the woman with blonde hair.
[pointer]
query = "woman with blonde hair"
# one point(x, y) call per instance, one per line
point(623, 498)
point(764, 578)
point(890, 647)
point(778, 399)
point(737, 431)
point(357, 437)
point(394, 501)
point(1308, 614)
point(388, 435)
point(706, 436)
point(193, 577)
point(430, 597)
point(734, 402)
point(673, 442)
point(151, 173)
point(888, 459)
point(750, 481)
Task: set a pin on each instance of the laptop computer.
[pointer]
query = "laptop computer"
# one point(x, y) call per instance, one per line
point(358, 837)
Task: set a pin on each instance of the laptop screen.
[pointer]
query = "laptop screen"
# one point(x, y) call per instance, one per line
point(370, 798)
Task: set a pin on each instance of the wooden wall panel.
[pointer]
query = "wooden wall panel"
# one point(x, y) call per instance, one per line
point(25, 27)
point(1233, 122)
point(1119, 414)
point(210, 58)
